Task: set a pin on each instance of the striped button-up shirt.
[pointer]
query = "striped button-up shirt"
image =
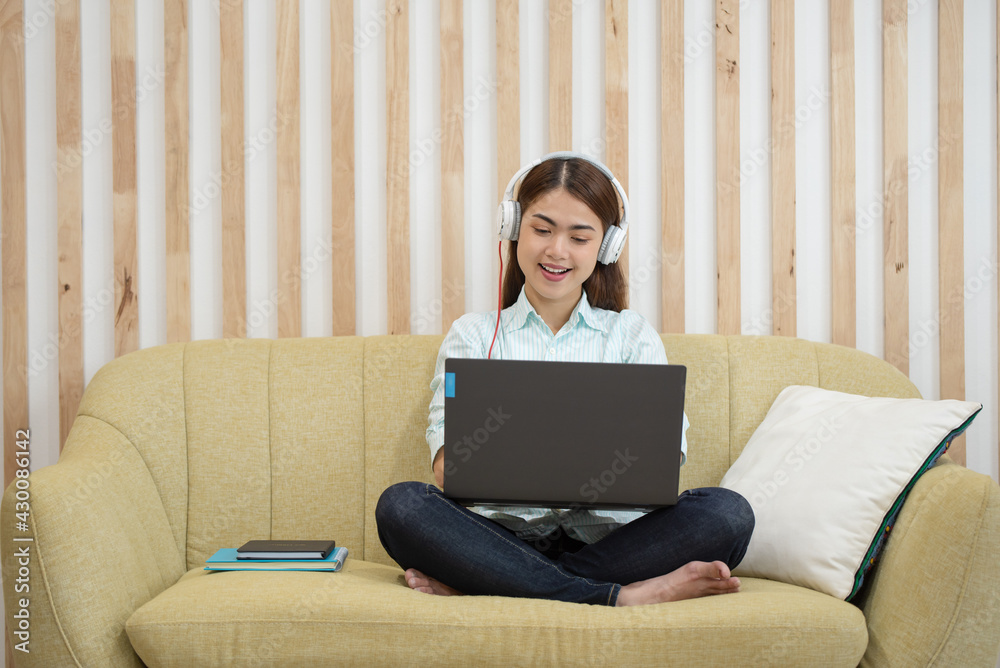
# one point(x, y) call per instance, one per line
point(590, 335)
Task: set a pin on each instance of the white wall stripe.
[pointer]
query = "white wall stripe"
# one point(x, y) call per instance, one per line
point(588, 78)
point(812, 170)
point(261, 211)
point(923, 198)
point(756, 312)
point(533, 72)
point(869, 200)
point(316, 169)
point(699, 168)
point(98, 314)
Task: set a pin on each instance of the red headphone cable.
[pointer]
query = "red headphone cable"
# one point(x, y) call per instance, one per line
point(499, 299)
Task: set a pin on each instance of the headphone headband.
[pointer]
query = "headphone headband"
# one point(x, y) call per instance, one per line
point(509, 212)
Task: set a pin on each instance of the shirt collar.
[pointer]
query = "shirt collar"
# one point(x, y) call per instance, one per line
point(517, 315)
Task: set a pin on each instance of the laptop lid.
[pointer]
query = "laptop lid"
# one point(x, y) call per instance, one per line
point(562, 434)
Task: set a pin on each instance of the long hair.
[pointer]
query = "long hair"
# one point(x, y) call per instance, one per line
point(607, 287)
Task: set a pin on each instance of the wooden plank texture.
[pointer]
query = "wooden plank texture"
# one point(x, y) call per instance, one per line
point(508, 95)
point(289, 191)
point(453, 165)
point(783, 279)
point(69, 175)
point(672, 164)
point(951, 232)
point(178, 262)
point(342, 188)
point(894, 152)
point(124, 175)
point(727, 139)
point(397, 113)
point(560, 75)
point(616, 97)
point(234, 284)
point(842, 195)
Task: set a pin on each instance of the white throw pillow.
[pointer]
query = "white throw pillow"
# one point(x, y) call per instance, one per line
point(826, 473)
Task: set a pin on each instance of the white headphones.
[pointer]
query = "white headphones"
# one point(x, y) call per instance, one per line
point(509, 211)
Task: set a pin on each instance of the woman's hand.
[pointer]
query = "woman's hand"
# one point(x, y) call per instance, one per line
point(439, 468)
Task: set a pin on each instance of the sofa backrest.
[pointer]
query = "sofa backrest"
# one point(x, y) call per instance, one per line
point(297, 438)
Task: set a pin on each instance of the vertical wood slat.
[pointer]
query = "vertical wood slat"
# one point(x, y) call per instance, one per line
point(783, 278)
point(453, 162)
point(178, 264)
point(234, 284)
point(895, 230)
point(508, 95)
point(69, 172)
point(397, 140)
point(288, 199)
point(509, 99)
point(616, 96)
point(12, 241)
point(124, 174)
point(727, 128)
point(998, 208)
point(342, 188)
point(672, 164)
point(951, 234)
point(560, 75)
point(843, 283)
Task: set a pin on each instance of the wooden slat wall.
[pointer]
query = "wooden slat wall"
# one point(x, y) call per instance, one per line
point(178, 264)
point(951, 231)
point(289, 191)
point(124, 171)
point(727, 139)
point(69, 172)
point(342, 188)
point(783, 290)
point(452, 165)
point(616, 96)
point(894, 140)
point(842, 196)
point(234, 283)
point(560, 76)
point(672, 164)
point(397, 75)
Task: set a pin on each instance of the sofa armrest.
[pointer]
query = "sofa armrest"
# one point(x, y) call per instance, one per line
point(934, 597)
point(101, 547)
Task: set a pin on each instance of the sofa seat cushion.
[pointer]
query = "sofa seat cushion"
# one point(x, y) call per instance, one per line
point(366, 611)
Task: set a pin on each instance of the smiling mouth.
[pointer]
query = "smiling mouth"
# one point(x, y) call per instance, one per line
point(550, 270)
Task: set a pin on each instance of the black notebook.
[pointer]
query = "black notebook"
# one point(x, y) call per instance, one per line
point(285, 549)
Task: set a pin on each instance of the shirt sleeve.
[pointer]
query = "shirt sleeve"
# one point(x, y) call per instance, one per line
point(464, 339)
point(643, 345)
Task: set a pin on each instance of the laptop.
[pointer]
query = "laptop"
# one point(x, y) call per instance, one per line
point(562, 434)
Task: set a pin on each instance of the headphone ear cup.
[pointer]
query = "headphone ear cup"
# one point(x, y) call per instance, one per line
point(509, 219)
point(612, 245)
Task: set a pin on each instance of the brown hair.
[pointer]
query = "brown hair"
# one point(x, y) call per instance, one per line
point(606, 287)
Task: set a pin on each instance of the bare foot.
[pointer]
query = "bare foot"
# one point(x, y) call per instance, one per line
point(417, 581)
point(692, 580)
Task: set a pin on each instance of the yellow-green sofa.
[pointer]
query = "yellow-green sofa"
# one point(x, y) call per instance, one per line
point(182, 449)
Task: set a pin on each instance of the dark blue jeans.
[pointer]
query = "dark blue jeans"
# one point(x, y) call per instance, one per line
point(422, 529)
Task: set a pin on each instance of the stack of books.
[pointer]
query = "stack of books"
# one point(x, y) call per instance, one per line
point(280, 555)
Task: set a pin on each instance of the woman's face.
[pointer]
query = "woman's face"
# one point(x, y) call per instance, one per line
point(557, 248)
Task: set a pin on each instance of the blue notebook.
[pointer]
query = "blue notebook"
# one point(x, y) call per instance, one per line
point(226, 560)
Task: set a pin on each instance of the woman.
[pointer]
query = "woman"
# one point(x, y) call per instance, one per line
point(560, 302)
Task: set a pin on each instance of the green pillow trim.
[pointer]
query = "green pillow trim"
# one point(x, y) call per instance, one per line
point(890, 518)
